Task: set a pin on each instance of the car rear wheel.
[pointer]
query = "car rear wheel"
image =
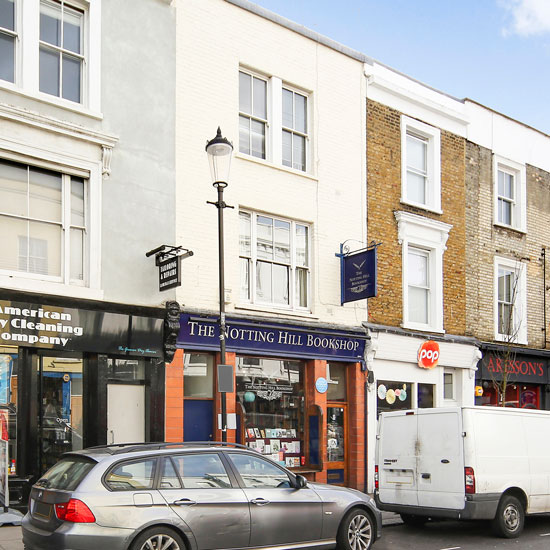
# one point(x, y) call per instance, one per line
point(158, 538)
point(357, 531)
point(508, 522)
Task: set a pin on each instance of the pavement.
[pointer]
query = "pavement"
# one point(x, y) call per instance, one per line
point(11, 538)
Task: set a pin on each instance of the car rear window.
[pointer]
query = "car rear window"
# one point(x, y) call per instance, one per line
point(67, 473)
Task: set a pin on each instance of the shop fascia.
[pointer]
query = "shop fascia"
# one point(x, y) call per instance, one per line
point(285, 340)
point(62, 328)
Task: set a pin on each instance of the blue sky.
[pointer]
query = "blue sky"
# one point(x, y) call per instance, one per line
point(496, 52)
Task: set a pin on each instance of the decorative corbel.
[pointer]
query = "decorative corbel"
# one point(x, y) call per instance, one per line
point(106, 161)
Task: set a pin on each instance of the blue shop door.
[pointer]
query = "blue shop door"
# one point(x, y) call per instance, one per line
point(198, 420)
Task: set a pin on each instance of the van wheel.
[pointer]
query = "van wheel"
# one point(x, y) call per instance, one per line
point(357, 531)
point(158, 538)
point(508, 522)
point(413, 521)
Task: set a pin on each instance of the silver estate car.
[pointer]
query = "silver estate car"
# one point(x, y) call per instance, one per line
point(192, 496)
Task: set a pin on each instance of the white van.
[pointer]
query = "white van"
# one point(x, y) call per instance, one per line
point(464, 463)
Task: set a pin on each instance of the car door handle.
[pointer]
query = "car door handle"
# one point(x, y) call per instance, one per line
point(260, 501)
point(184, 502)
point(426, 476)
point(444, 461)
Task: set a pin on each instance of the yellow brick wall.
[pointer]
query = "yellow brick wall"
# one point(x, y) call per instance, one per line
point(384, 194)
point(487, 241)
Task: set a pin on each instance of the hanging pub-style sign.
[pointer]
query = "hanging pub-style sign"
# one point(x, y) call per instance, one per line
point(358, 274)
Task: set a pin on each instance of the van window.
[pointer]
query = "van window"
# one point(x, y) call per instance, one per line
point(67, 473)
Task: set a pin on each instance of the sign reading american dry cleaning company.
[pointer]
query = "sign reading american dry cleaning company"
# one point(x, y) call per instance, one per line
point(61, 328)
point(243, 336)
point(428, 355)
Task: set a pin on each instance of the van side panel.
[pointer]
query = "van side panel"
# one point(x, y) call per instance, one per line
point(396, 459)
point(536, 431)
point(500, 457)
point(440, 459)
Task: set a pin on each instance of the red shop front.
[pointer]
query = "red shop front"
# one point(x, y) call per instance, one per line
point(521, 374)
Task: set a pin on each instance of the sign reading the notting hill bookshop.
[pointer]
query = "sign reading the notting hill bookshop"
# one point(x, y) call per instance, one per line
point(298, 342)
point(359, 275)
point(63, 328)
point(169, 273)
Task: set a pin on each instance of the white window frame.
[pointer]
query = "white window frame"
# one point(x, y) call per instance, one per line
point(251, 117)
point(452, 375)
point(27, 56)
point(293, 131)
point(519, 315)
point(16, 35)
point(67, 165)
point(253, 259)
point(519, 202)
point(274, 126)
point(431, 236)
point(432, 136)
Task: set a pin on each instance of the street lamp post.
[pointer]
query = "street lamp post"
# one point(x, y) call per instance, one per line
point(219, 152)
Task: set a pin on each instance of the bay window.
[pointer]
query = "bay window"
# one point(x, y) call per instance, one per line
point(509, 194)
point(510, 301)
point(274, 261)
point(43, 223)
point(273, 121)
point(420, 164)
point(61, 51)
point(8, 40)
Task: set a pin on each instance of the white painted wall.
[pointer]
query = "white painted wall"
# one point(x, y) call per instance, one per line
point(214, 39)
point(393, 357)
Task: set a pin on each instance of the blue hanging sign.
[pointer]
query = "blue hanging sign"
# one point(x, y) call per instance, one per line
point(358, 275)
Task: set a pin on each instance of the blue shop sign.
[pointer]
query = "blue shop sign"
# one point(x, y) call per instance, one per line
point(358, 275)
point(242, 336)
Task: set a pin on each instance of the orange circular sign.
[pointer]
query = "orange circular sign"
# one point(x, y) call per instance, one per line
point(428, 354)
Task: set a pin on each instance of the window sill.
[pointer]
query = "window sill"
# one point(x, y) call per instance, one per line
point(51, 100)
point(514, 342)
point(422, 206)
point(277, 311)
point(422, 328)
point(279, 167)
point(510, 228)
point(47, 287)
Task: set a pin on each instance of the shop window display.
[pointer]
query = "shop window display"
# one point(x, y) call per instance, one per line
point(393, 396)
point(8, 403)
point(59, 407)
point(271, 396)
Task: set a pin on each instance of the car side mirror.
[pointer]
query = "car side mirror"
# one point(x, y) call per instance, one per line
point(301, 482)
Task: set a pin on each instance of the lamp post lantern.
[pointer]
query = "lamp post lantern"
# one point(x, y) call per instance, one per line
point(219, 152)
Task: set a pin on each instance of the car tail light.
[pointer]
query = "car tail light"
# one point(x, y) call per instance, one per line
point(376, 478)
point(74, 511)
point(469, 480)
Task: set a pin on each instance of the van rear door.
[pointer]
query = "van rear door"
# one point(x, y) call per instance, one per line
point(396, 458)
point(440, 459)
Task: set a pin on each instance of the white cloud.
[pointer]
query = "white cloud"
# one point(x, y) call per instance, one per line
point(529, 17)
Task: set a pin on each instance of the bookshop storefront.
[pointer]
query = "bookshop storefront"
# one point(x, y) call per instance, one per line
point(298, 392)
point(72, 376)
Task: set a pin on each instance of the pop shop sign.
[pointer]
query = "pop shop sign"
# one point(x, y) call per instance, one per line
point(428, 355)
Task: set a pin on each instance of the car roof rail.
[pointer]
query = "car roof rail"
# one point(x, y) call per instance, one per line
point(119, 448)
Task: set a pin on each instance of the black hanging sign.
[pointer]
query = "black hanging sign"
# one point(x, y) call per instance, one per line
point(169, 273)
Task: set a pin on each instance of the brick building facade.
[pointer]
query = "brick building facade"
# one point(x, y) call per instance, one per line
point(508, 221)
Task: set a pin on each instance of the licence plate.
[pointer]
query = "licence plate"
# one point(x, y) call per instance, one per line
point(41, 510)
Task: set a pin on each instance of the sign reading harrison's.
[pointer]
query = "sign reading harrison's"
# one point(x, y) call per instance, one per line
point(519, 368)
point(270, 339)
